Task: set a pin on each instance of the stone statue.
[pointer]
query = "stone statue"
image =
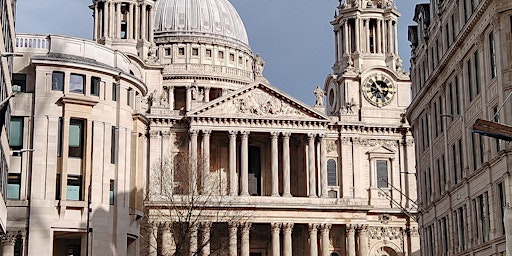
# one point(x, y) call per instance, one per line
point(159, 99)
point(197, 94)
point(319, 95)
point(259, 65)
point(349, 106)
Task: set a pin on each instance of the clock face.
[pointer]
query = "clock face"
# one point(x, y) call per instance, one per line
point(379, 90)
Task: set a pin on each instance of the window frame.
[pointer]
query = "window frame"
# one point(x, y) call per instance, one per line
point(78, 150)
point(74, 181)
point(73, 84)
point(95, 86)
point(12, 180)
point(58, 80)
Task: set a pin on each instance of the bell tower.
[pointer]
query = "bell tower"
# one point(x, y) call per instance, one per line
point(367, 83)
point(125, 25)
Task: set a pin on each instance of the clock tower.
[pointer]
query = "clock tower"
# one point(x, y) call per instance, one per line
point(368, 83)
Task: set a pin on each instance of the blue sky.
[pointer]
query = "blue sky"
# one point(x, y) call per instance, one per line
point(294, 37)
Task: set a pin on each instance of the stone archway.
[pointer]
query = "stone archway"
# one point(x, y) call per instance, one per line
point(385, 251)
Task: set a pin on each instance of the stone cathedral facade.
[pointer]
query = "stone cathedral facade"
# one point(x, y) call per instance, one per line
point(166, 128)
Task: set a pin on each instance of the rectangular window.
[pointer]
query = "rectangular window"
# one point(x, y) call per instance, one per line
point(240, 60)
point(501, 205)
point(19, 82)
point(436, 126)
point(496, 118)
point(76, 83)
point(111, 193)
point(115, 88)
point(457, 97)
point(470, 80)
point(461, 159)
point(447, 33)
point(382, 173)
point(74, 188)
point(181, 51)
point(208, 53)
point(195, 52)
point(95, 86)
point(465, 7)
point(451, 99)
point(59, 137)
point(477, 73)
point(441, 111)
point(129, 96)
point(167, 51)
point(492, 55)
point(231, 57)
point(57, 187)
point(13, 186)
point(474, 142)
point(332, 179)
point(76, 137)
point(113, 145)
point(453, 28)
point(455, 168)
point(16, 133)
point(58, 81)
point(221, 55)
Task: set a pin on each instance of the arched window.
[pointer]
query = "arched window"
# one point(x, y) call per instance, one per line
point(332, 177)
point(334, 254)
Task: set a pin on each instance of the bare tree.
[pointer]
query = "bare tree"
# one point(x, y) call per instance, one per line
point(187, 210)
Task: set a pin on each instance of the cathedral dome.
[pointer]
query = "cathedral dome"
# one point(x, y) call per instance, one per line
point(216, 19)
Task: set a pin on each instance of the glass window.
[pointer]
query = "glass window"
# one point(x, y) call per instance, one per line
point(221, 55)
point(59, 137)
point(13, 186)
point(332, 179)
point(95, 86)
point(129, 97)
point(57, 187)
point(76, 83)
point(470, 80)
point(74, 188)
point(115, 87)
point(195, 51)
point(58, 81)
point(208, 53)
point(16, 133)
point(382, 173)
point(19, 82)
point(181, 51)
point(113, 145)
point(477, 73)
point(231, 57)
point(492, 54)
point(111, 192)
point(167, 51)
point(76, 137)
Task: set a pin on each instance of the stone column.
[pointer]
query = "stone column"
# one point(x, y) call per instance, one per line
point(206, 94)
point(325, 239)
point(313, 240)
point(275, 164)
point(396, 38)
point(351, 240)
point(96, 23)
point(358, 33)
point(192, 249)
point(188, 104)
point(233, 178)
point(348, 39)
point(8, 241)
point(151, 24)
point(111, 20)
point(244, 162)
point(367, 35)
point(205, 187)
point(311, 165)
point(233, 230)
point(205, 242)
point(287, 243)
point(104, 20)
point(276, 230)
point(286, 164)
point(153, 240)
point(363, 240)
point(168, 246)
point(323, 165)
point(245, 249)
point(378, 37)
point(171, 97)
point(137, 23)
point(118, 21)
point(193, 161)
point(130, 21)
point(144, 23)
point(336, 46)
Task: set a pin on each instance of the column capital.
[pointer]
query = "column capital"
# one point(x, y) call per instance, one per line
point(311, 136)
point(206, 132)
point(232, 133)
point(322, 136)
point(245, 133)
point(246, 227)
point(9, 239)
point(154, 134)
point(351, 229)
point(233, 224)
point(286, 135)
point(325, 227)
point(193, 132)
point(313, 228)
point(206, 225)
point(275, 227)
point(287, 227)
point(274, 134)
point(362, 229)
point(166, 133)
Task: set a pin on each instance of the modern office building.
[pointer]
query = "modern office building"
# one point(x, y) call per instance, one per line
point(166, 129)
point(461, 61)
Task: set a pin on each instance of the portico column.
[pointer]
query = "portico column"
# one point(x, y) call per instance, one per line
point(233, 230)
point(168, 246)
point(233, 179)
point(104, 20)
point(171, 97)
point(363, 240)
point(130, 21)
point(206, 94)
point(206, 162)
point(378, 37)
point(323, 165)
point(192, 249)
point(313, 240)
point(287, 243)
point(275, 229)
point(286, 164)
point(205, 242)
point(137, 23)
point(358, 32)
point(8, 241)
point(367, 34)
point(193, 161)
point(351, 240)
point(96, 23)
point(118, 21)
point(188, 99)
point(246, 228)
point(325, 239)
point(275, 165)
point(144, 23)
point(153, 238)
point(311, 165)
point(244, 164)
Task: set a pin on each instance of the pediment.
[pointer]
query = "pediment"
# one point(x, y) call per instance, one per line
point(381, 150)
point(258, 101)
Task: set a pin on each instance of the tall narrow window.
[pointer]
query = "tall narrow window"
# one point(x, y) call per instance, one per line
point(76, 137)
point(474, 142)
point(74, 188)
point(16, 133)
point(57, 187)
point(453, 28)
point(477, 73)
point(469, 76)
point(457, 97)
point(113, 145)
point(455, 169)
point(496, 118)
point(59, 137)
point(129, 96)
point(13, 186)
point(382, 173)
point(115, 87)
point(111, 193)
point(332, 178)
point(461, 159)
point(76, 83)
point(501, 205)
point(95, 86)
point(58, 81)
point(492, 55)
point(124, 26)
point(451, 99)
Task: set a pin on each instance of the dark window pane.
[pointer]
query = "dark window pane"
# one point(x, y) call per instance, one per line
point(16, 133)
point(13, 186)
point(19, 82)
point(76, 137)
point(382, 174)
point(332, 179)
point(95, 86)
point(76, 83)
point(58, 81)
